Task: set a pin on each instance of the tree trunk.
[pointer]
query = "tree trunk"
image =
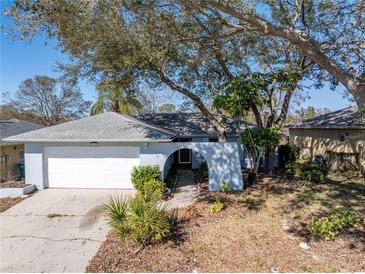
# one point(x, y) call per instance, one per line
point(359, 94)
point(269, 161)
point(199, 104)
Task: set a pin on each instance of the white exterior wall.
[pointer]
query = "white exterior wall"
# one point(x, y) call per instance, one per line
point(195, 163)
point(34, 165)
point(222, 158)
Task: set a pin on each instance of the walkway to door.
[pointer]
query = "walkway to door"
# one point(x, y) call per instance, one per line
point(186, 191)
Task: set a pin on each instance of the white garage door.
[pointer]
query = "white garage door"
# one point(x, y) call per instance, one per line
point(91, 167)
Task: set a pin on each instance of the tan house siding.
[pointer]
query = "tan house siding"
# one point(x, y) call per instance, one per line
point(323, 141)
point(9, 160)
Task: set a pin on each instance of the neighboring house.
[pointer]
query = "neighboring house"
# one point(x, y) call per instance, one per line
point(100, 151)
point(12, 154)
point(339, 136)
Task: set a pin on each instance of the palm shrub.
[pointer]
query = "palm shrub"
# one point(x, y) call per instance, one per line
point(142, 218)
point(142, 175)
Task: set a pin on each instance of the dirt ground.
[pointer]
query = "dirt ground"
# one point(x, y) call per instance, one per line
point(259, 231)
point(6, 203)
point(13, 184)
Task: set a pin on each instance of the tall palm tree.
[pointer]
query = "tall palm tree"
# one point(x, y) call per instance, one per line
point(112, 96)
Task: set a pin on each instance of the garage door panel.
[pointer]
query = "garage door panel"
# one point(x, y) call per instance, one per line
point(91, 167)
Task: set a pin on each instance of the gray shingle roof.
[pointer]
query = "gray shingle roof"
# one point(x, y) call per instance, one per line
point(345, 118)
point(15, 126)
point(188, 124)
point(108, 127)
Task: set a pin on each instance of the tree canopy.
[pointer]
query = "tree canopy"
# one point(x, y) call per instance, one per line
point(195, 47)
point(163, 44)
point(46, 100)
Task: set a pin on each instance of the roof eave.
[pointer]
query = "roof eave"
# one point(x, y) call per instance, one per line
point(10, 141)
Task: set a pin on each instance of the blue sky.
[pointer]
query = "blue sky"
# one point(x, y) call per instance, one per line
point(21, 60)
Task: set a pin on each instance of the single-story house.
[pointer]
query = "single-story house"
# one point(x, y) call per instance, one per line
point(11, 155)
point(100, 151)
point(339, 136)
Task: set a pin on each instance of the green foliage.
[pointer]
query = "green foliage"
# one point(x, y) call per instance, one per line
point(154, 185)
point(333, 224)
point(141, 218)
point(268, 138)
point(217, 206)
point(225, 187)
point(142, 175)
point(116, 96)
point(203, 170)
point(314, 172)
point(242, 92)
point(249, 201)
point(292, 170)
point(168, 108)
point(116, 210)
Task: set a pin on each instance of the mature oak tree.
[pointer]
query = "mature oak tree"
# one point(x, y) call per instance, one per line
point(330, 33)
point(162, 43)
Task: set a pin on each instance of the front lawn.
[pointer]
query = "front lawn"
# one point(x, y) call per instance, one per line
point(260, 230)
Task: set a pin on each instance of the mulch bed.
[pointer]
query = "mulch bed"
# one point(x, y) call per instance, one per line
point(13, 184)
point(247, 237)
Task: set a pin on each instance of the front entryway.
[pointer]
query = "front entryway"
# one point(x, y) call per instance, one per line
point(186, 191)
point(184, 156)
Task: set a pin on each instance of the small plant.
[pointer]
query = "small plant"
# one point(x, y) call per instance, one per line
point(217, 206)
point(330, 226)
point(252, 203)
point(141, 218)
point(142, 175)
point(225, 187)
point(315, 173)
point(249, 201)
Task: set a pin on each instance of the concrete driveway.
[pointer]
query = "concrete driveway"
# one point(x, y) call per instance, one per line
point(55, 230)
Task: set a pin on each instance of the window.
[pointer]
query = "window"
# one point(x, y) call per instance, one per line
point(344, 137)
point(213, 140)
point(21, 156)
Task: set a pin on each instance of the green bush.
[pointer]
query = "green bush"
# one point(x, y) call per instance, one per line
point(143, 174)
point(314, 173)
point(333, 224)
point(217, 206)
point(203, 170)
point(225, 187)
point(291, 170)
point(153, 185)
point(141, 218)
